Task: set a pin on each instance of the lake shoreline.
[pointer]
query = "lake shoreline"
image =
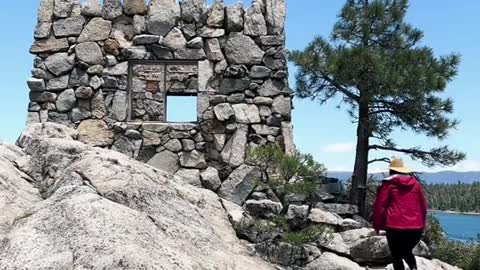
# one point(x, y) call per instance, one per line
point(455, 212)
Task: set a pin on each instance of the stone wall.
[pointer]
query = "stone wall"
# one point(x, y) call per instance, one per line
point(106, 70)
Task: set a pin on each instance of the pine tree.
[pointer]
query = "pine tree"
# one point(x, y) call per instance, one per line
point(285, 174)
point(387, 81)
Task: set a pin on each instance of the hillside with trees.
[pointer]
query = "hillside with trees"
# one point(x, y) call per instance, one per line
point(460, 197)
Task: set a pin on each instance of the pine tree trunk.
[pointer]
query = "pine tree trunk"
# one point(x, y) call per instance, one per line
point(358, 191)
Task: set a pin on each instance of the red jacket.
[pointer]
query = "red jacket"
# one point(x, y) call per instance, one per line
point(400, 204)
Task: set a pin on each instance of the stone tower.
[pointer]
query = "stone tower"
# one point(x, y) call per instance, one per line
point(109, 70)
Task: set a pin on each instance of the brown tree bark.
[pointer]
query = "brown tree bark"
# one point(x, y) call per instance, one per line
point(358, 191)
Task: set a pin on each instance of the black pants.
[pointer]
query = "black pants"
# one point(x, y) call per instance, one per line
point(401, 243)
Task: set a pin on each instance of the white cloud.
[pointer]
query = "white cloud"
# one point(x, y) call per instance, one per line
point(339, 148)
point(467, 166)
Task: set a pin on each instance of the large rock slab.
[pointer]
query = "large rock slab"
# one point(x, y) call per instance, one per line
point(189, 176)
point(210, 179)
point(63, 8)
point(126, 146)
point(372, 249)
point(166, 161)
point(162, 16)
point(216, 14)
point(97, 29)
point(90, 53)
point(36, 85)
point(42, 30)
point(193, 159)
point(112, 9)
point(375, 250)
point(235, 149)
point(246, 113)
point(324, 217)
point(241, 49)
point(35, 132)
point(135, 7)
point(290, 148)
point(331, 261)
point(423, 263)
point(263, 208)
point(66, 100)
point(117, 70)
point(50, 45)
point(123, 32)
point(100, 210)
point(350, 237)
point(68, 27)
point(272, 88)
point(236, 214)
point(266, 130)
point(282, 253)
point(234, 18)
point(333, 242)
point(276, 11)
point(17, 194)
point(232, 85)
point(239, 184)
point(91, 8)
point(339, 208)
point(214, 50)
point(45, 10)
point(95, 133)
point(255, 24)
point(350, 224)
point(119, 106)
point(192, 10)
point(283, 106)
point(60, 63)
point(297, 215)
point(223, 111)
point(98, 105)
point(175, 40)
point(42, 96)
point(58, 83)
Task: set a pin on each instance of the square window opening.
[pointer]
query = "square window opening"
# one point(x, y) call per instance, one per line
point(181, 109)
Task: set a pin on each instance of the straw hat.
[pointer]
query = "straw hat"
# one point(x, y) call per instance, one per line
point(396, 164)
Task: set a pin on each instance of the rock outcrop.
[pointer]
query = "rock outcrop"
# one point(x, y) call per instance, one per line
point(67, 205)
point(316, 238)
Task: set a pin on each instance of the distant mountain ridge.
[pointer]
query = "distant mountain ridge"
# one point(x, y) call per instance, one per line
point(431, 178)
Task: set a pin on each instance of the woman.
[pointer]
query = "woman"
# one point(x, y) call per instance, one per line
point(401, 210)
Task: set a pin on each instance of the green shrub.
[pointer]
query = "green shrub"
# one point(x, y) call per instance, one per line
point(286, 174)
point(434, 234)
point(463, 255)
point(304, 236)
point(262, 225)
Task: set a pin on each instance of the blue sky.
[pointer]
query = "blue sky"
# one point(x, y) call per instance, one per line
point(324, 131)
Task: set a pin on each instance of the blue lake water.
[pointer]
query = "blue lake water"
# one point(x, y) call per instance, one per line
point(460, 227)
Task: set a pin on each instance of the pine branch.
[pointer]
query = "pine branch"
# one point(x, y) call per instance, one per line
point(342, 89)
point(436, 156)
point(387, 160)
